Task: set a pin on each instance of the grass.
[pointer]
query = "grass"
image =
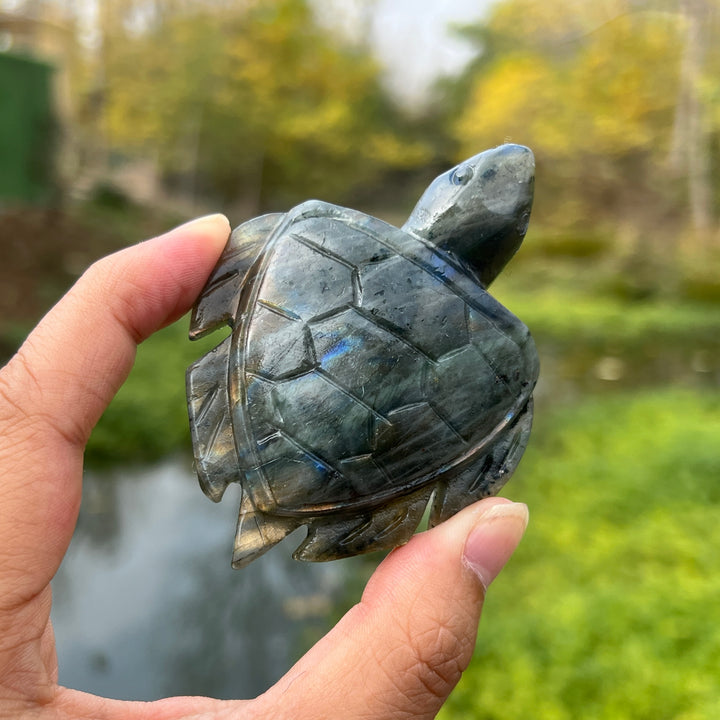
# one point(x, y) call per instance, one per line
point(583, 318)
point(571, 302)
point(609, 609)
point(148, 417)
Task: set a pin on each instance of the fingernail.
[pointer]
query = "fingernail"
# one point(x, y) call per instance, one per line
point(215, 222)
point(498, 531)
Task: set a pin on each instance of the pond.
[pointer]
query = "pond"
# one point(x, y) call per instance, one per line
point(146, 604)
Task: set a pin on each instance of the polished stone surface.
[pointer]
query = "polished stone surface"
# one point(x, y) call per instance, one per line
point(369, 372)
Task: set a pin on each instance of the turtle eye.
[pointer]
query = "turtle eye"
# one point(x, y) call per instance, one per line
point(461, 175)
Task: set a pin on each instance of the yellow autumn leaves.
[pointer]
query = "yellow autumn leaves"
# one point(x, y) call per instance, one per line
point(253, 94)
point(611, 89)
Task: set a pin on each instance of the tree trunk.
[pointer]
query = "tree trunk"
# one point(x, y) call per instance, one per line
point(690, 151)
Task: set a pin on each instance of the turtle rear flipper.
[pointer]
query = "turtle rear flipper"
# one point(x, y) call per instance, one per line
point(394, 524)
point(337, 537)
point(257, 532)
point(219, 300)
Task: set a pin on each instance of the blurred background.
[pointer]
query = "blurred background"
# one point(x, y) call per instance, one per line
point(121, 118)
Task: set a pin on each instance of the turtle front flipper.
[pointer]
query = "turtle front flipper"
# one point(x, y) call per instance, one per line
point(207, 379)
point(217, 305)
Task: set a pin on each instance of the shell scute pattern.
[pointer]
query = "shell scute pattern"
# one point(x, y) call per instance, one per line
point(278, 346)
point(368, 360)
point(380, 369)
point(330, 290)
point(415, 305)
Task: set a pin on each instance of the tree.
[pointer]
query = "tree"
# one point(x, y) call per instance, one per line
point(593, 88)
point(690, 148)
point(248, 97)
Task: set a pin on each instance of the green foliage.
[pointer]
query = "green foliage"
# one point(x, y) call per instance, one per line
point(254, 99)
point(605, 96)
point(581, 319)
point(702, 284)
point(148, 419)
point(608, 609)
point(575, 245)
point(576, 84)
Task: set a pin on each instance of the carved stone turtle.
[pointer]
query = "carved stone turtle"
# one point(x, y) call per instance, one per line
point(368, 370)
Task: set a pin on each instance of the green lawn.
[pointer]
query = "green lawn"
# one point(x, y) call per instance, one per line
point(582, 318)
point(610, 607)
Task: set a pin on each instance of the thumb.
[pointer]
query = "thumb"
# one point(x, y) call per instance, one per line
point(403, 648)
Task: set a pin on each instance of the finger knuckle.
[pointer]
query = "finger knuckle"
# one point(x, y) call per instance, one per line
point(22, 408)
point(440, 657)
point(13, 407)
point(109, 279)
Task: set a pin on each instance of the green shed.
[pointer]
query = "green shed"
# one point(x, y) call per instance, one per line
point(27, 129)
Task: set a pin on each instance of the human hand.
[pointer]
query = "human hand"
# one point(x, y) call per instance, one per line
point(397, 654)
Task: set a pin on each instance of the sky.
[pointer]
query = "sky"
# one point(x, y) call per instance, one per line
point(411, 37)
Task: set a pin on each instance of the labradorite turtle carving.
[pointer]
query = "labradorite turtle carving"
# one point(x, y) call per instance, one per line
point(368, 371)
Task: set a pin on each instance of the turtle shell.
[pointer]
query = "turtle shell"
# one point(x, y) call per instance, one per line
point(367, 366)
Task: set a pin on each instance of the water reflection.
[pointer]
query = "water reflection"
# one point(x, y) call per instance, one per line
point(145, 603)
point(571, 374)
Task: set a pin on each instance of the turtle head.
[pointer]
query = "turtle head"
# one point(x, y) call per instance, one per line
point(479, 211)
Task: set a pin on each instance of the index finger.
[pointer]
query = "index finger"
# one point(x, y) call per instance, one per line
point(58, 384)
